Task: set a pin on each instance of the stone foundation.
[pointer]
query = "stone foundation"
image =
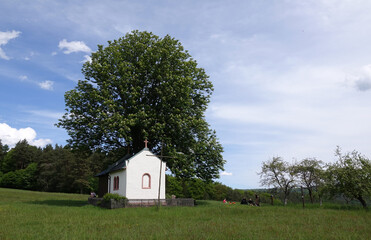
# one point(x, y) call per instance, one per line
point(112, 204)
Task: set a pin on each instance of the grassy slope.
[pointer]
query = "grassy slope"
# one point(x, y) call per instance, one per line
point(36, 215)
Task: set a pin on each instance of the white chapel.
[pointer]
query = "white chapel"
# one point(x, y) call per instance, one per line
point(135, 176)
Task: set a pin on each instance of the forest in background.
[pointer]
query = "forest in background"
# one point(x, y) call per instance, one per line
point(60, 169)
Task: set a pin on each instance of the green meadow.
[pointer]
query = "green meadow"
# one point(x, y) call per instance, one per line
point(40, 215)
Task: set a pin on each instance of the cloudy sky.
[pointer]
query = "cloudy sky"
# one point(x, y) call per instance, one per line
point(291, 78)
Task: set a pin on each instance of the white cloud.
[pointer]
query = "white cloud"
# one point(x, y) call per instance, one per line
point(305, 111)
point(47, 85)
point(46, 114)
point(73, 46)
point(5, 37)
point(27, 58)
point(3, 55)
point(41, 142)
point(225, 173)
point(11, 136)
point(87, 58)
point(23, 77)
point(361, 80)
point(363, 84)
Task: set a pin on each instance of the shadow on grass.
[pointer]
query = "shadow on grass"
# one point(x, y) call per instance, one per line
point(62, 203)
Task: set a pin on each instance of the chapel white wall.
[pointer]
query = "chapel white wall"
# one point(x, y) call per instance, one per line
point(139, 165)
point(122, 182)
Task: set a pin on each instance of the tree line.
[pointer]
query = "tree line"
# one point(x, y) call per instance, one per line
point(51, 169)
point(212, 190)
point(61, 169)
point(349, 177)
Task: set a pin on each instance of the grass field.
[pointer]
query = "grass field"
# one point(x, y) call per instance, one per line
point(38, 215)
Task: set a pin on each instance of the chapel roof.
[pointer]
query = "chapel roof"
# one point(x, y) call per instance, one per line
point(120, 164)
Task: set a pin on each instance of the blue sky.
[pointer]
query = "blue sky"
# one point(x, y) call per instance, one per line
point(291, 78)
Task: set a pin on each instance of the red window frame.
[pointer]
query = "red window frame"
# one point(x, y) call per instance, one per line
point(149, 181)
point(116, 183)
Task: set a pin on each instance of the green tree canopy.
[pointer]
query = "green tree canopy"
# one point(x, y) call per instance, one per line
point(20, 156)
point(279, 174)
point(351, 176)
point(3, 150)
point(309, 172)
point(143, 86)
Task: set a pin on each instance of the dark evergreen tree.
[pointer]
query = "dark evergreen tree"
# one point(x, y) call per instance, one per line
point(20, 156)
point(3, 151)
point(56, 169)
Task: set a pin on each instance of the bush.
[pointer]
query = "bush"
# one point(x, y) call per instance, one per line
point(108, 196)
point(29, 177)
point(174, 186)
point(10, 180)
point(21, 179)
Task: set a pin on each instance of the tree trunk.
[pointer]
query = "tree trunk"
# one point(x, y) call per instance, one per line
point(311, 195)
point(137, 142)
point(285, 200)
point(363, 202)
point(302, 196)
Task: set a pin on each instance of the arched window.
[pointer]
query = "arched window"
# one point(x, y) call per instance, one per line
point(116, 183)
point(146, 181)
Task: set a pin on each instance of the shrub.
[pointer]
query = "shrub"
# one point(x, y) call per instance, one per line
point(108, 196)
point(10, 180)
point(21, 179)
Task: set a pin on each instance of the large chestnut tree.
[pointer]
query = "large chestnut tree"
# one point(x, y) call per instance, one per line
point(142, 87)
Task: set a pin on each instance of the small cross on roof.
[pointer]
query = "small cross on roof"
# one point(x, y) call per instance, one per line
point(145, 143)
